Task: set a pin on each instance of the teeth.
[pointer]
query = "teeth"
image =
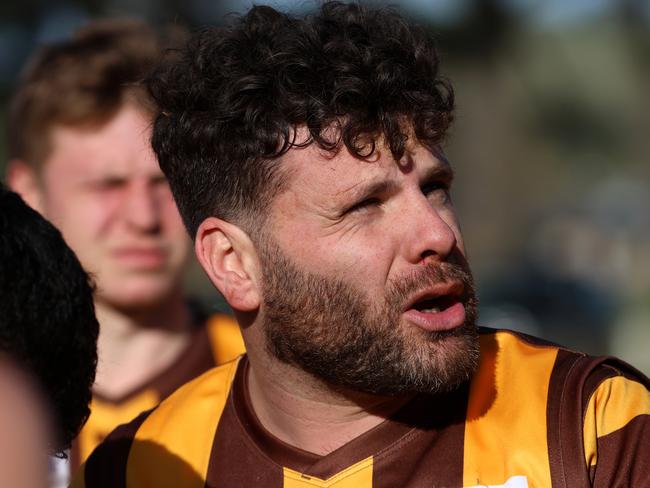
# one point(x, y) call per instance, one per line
point(431, 310)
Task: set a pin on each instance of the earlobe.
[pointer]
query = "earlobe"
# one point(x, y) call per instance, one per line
point(227, 255)
point(23, 179)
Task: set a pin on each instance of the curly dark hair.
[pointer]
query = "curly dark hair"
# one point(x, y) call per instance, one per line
point(231, 101)
point(47, 320)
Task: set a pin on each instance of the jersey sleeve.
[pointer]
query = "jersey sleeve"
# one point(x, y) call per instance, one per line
point(616, 432)
point(599, 424)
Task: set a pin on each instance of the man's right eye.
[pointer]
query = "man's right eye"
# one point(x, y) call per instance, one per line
point(109, 184)
point(364, 205)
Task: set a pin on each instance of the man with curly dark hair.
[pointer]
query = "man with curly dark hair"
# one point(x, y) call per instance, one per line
point(48, 329)
point(306, 158)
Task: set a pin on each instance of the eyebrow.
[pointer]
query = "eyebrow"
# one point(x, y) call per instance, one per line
point(361, 191)
point(441, 171)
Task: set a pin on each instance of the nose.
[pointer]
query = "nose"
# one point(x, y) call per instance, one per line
point(141, 208)
point(431, 233)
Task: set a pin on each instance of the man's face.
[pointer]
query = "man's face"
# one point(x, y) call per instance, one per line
point(103, 189)
point(365, 282)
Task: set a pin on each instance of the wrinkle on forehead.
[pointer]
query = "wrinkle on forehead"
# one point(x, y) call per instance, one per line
point(320, 179)
point(351, 188)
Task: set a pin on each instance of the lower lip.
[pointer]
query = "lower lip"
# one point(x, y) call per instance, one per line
point(447, 319)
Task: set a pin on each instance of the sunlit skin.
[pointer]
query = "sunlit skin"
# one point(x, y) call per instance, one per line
point(366, 222)
point(104, 190)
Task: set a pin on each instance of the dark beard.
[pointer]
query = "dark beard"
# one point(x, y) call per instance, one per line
point(327, 328)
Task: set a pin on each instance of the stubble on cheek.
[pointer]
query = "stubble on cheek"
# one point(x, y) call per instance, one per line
point(332, 330)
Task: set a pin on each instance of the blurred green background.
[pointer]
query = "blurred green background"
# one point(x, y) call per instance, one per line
point(550, 145)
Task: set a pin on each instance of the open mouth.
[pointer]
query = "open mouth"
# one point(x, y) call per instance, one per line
point(439, 308)
point(435, 304)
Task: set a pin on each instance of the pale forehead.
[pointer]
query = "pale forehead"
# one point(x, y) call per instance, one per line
point(122, 145)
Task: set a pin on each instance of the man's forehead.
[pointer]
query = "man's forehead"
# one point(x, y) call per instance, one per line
point(94, 152)
point(341, 173)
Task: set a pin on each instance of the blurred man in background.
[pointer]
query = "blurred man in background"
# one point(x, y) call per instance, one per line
point(79, 153)
point(48, 344)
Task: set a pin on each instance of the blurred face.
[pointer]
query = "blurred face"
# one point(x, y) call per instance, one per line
point(104, 190)
point(375, 294)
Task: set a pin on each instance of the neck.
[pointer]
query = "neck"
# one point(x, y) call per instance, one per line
point(169, 315)
point(134, 345)
point(306, 413)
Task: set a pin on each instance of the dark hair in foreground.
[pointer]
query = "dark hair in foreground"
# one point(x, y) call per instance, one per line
point(231, 101)
point(47, 317)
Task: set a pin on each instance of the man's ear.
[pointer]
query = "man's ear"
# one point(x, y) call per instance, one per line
point(24, 180)
point(228, 256)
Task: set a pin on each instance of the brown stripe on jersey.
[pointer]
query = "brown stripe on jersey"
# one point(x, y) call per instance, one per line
point(563, 414)
point(624, 455)
point(574, 379)
point(271, 447)
point(601, 368)
point(590, 387)
point(594, 380)
point(431, 454)
point(615, 395)
point(106, 467)
point(235, 461)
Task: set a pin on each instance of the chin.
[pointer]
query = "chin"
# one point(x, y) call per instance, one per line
point(143, 294)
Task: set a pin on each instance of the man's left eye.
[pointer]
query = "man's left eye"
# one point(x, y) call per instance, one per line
point(433, 186)
point(436, 189)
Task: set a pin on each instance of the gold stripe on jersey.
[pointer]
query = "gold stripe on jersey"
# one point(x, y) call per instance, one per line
point(611, 407)
point(356, 476)
point(500, 396)
point(199, 404)
point(225, 338)
point(107, 415)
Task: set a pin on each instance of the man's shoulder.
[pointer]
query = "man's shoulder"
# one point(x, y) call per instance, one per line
point(178, 431)
point(210, 388)
point(203, 396)
point(518, 337)
point(570, 385)
point(586, 412)
point(512, 347)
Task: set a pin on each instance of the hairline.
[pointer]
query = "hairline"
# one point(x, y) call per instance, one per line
point(37, 162)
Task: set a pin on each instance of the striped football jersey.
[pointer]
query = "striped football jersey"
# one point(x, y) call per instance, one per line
point(218, 342)
point(534, 415)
